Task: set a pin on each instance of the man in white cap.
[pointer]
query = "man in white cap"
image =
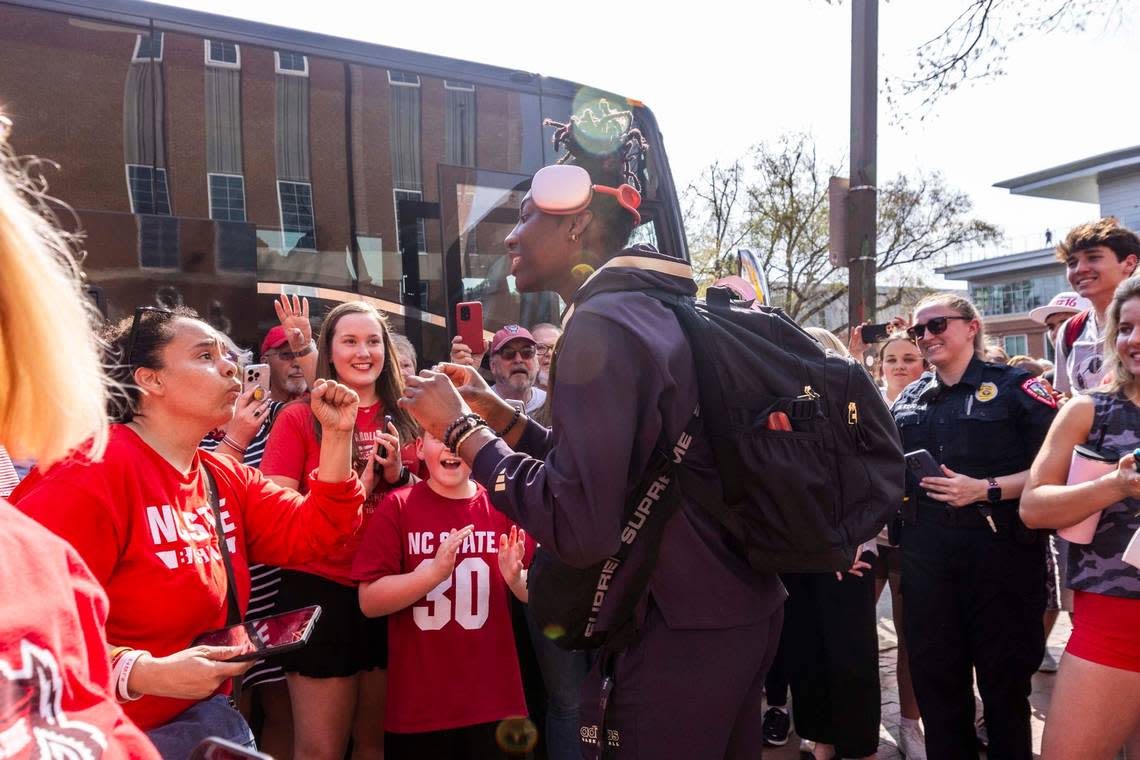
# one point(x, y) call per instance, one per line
point(1058, 310)
point(1058, 598)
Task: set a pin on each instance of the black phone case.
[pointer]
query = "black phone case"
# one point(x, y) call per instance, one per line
point(270, 652)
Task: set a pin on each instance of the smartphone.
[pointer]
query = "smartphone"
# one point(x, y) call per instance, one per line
point(922, 464)
point(383, 450)
point(256, 375)
point(262, 637)
point(469, 324)
point(214, 748)
point(874, 333)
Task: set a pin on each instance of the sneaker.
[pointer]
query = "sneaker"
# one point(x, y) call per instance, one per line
point(912, 743)
point(1048, 663)
point(777, 723)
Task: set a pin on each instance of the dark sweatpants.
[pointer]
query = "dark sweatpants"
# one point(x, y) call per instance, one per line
point(973, 599)
point(832, 660)
point(683, 693)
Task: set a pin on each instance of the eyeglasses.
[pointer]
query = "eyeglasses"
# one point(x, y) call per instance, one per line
point(132, 336)
point(526, 352)
point(936, 325)
point(287, 356)
point(542, 349)
point(564, 189)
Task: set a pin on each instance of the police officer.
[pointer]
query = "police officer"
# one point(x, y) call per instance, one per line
point(973, 574)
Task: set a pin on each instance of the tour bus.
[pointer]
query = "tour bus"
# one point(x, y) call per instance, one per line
point(217, 162)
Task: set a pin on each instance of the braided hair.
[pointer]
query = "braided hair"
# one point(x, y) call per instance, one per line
point(601, 139)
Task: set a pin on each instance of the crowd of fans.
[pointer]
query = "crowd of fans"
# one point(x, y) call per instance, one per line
point(169, 500)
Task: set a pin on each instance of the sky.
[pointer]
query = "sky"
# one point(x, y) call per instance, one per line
point(721, 76)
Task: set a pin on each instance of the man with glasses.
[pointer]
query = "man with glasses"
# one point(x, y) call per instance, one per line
point(287, 377)
point(547, 336)
point(514, 367)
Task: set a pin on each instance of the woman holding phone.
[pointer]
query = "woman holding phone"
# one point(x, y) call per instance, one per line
point(337, 683)
point(972, 573)
point(145, 519)
point(1097, 696)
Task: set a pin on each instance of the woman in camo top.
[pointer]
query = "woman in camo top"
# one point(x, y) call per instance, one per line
point(1096, 702)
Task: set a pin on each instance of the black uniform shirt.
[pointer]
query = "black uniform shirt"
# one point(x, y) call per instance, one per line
point(991, 423)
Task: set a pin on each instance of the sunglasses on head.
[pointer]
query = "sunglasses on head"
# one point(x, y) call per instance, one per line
point(526, 352)
point(132, 336)
point(937, 326)
point(564, 189)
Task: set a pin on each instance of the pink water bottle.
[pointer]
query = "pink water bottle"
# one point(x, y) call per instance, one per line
point(1087, 464)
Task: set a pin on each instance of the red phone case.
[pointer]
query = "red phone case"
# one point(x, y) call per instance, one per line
point(470, 329)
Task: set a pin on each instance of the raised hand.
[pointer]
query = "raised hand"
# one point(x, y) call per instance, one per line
point(334, 405)
point(512, 549)
point(461, 353)
point(249, 414)
point(294, 318)
point(442, 565)
point(479, 396)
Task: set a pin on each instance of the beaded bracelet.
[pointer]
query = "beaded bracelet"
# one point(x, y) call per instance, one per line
point(514, 420)
point(455, 425)
point(462, 425)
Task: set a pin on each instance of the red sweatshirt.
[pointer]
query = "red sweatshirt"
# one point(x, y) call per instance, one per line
point(147, 533)
point(55, 692)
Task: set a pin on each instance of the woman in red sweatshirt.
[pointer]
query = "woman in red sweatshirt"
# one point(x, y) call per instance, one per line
point(143, 521)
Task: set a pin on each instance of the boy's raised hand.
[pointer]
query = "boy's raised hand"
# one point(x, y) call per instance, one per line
point(512, 549)
point(442, 565)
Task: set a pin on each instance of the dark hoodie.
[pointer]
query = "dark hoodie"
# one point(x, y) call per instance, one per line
point(625, 373)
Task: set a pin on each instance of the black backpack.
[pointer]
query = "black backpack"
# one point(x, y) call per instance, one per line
point(799, 500)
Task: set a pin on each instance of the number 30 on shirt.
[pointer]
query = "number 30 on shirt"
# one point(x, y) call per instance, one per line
point(472, 582)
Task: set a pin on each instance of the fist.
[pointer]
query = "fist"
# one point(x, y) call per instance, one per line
point(334, 405)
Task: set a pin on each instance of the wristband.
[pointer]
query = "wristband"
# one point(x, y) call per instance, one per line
point(514, 420)
point(405, 476)
point(233, 444)
point(118, 652)
point(122, 675)
point(459, 427)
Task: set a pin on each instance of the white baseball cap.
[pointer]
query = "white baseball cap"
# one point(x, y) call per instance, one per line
point(1062, 303)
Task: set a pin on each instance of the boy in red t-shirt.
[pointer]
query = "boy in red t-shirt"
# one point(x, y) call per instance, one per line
point(438, 559)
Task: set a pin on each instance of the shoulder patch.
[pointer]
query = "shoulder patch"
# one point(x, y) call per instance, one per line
point(986, 392)
point(1037, 390)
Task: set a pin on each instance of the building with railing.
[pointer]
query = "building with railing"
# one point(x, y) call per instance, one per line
point(1006, 287)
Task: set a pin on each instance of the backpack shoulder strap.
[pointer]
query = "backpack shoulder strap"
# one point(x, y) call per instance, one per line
point(1073, 329)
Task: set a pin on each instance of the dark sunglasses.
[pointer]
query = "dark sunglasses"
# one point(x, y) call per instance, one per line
point(285, 355)
point(527, 352)
point(134, 333)
point(937, 326)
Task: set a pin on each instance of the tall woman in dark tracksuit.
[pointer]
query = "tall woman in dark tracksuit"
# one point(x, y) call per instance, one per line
point(691, 684)
point(972, 572)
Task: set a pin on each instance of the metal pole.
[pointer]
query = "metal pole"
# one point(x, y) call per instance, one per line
point(861, 201)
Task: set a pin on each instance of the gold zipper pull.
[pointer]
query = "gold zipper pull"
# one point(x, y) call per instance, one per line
point(852, 413)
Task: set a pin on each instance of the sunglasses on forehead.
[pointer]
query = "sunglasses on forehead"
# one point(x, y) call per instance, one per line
point(132, 336)
point(937, 326)
point(564, 189)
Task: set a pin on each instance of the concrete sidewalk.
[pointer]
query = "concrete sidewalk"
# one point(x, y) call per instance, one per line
point(888, 659)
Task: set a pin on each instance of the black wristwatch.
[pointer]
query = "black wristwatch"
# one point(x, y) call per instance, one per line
point(993, 493)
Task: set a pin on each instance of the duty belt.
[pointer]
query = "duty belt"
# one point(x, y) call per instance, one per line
point(969, 516)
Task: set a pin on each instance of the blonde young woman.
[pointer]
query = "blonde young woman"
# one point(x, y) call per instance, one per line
point(1096, 702)
point(55, 688)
